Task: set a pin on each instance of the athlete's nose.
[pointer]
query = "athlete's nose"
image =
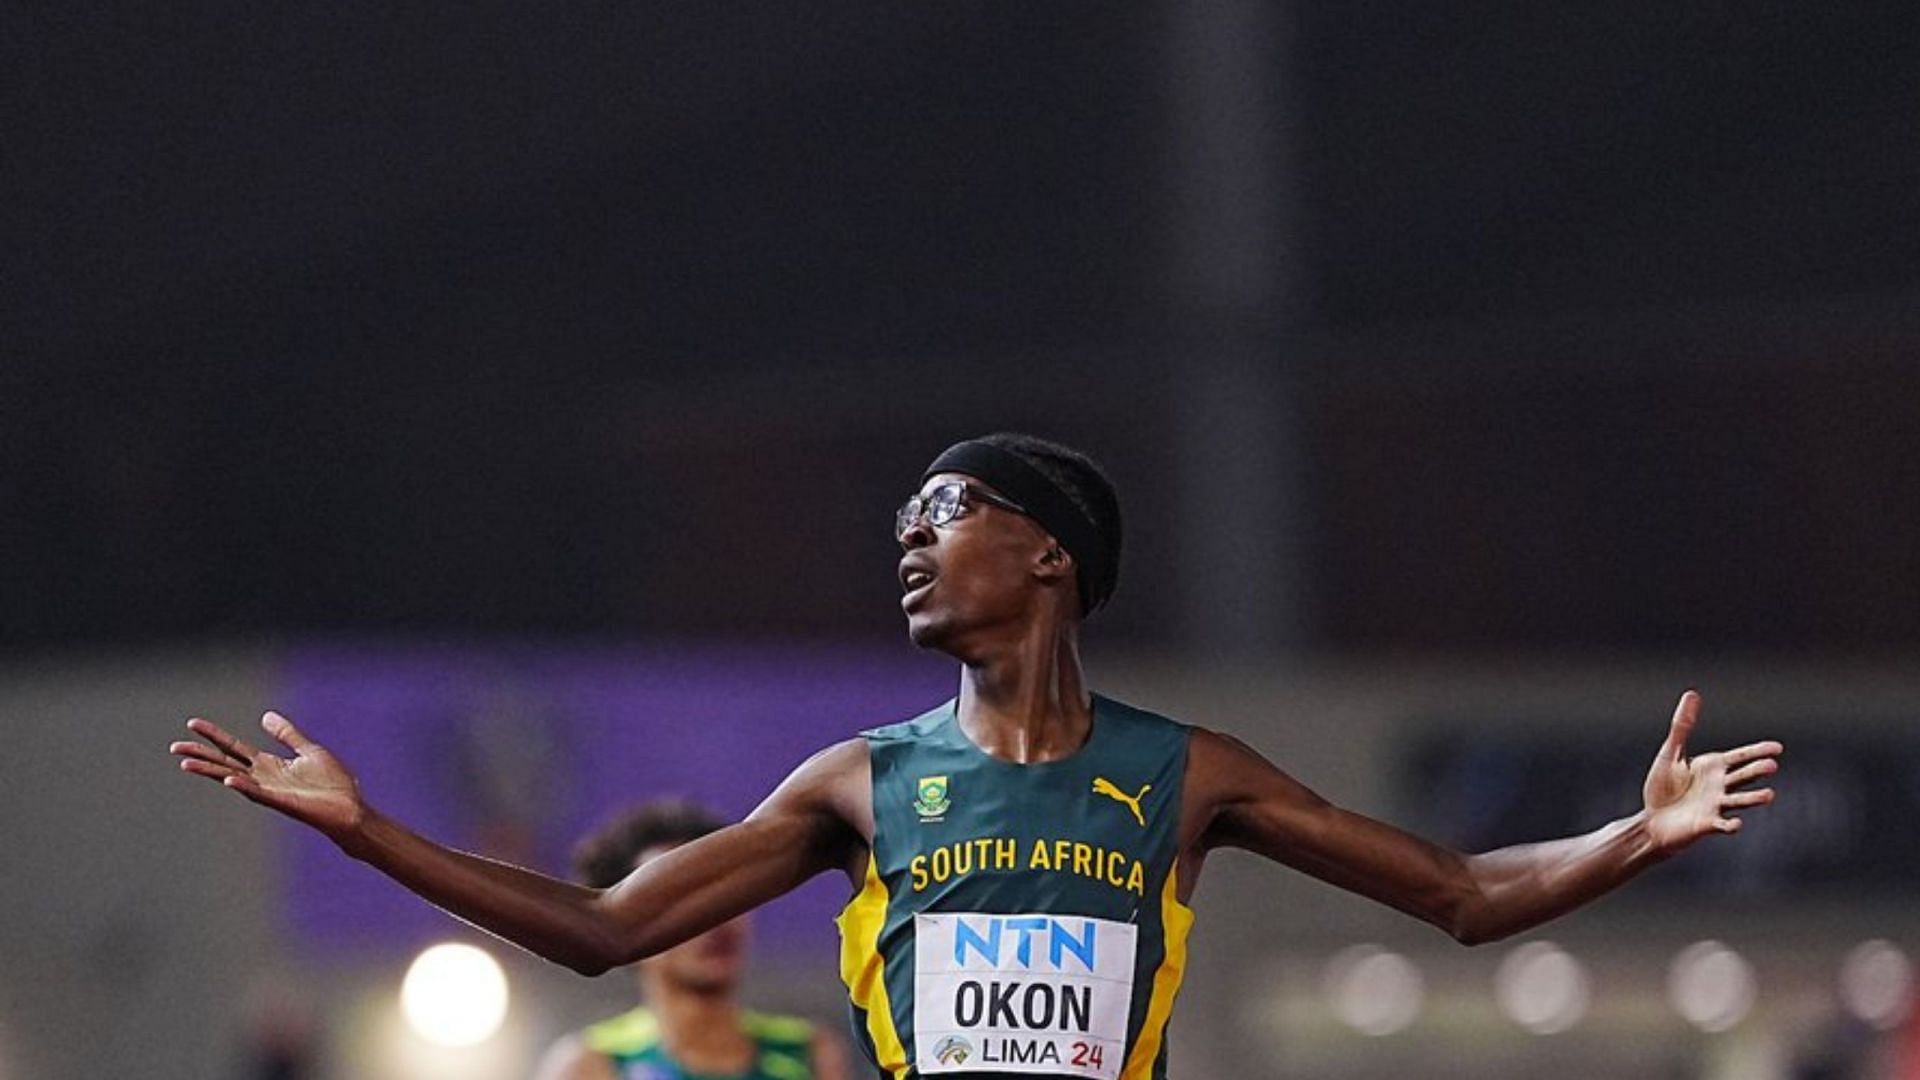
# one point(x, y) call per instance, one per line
point(918, 535)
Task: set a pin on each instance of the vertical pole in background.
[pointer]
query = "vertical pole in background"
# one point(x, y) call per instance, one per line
point(1230, 273)
point(1233, 271)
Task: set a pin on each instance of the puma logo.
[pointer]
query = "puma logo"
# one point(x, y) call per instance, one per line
point(1104, 786)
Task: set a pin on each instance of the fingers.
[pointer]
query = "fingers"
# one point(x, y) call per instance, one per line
point(1684, 716)
point(215, 764)
point(211, 762)
point(228, 777)
point(1753, 752)
point(230, 759)
point(199, 751)
point(231, 745)
point(246, 785)
point(1747, 774)
point(212, 770)
point(282, 729)
point(1745, 800)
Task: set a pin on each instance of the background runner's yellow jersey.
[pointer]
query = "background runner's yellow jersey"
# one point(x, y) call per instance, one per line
point(783, 1048)
point(1020, 920)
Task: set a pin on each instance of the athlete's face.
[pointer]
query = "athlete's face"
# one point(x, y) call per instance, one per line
point(982, 570)
point(711, 963)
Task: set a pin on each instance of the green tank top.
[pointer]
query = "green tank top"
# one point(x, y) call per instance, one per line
point(1020, 920)
point(783, 1048)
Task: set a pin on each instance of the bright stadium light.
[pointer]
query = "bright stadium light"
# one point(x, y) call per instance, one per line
point(454, 995)
point(1541, 987)
point(1876, 984)
point(1374, 991)
point(1711, 986)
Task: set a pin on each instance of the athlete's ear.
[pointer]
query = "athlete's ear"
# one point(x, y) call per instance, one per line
point(1054, 564)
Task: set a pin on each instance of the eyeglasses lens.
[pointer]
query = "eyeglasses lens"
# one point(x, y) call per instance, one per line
point(944, 505)
point(940, 507)
point(908, 513)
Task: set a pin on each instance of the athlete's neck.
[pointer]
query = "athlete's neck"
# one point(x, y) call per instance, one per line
point(701, 1029)
point(1026, 700)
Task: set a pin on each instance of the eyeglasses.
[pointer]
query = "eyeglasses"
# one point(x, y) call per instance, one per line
point(944, 503)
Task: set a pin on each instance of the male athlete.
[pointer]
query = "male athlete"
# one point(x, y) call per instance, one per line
point(691, 1024)
point(1021, 857)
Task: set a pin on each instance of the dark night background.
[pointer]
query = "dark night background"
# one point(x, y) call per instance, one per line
point(1600, 328)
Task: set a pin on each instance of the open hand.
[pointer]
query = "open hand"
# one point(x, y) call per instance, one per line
point(1687, 798)
point(312, 786)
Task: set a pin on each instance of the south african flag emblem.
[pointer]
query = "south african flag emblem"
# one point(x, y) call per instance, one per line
point(931, 799)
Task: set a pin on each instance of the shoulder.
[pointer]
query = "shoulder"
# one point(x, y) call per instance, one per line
point(848, 756)
point(572, 1059)
point(1229, 766)
point(632, 1032)
point(1217, 749)
point(1231, 783)
point(828, 1056)
point(826, 773)
point(831, 786)
point(776, 1028)
point(796, 1044)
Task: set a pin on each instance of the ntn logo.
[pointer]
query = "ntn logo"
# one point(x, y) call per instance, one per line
point(988, 936)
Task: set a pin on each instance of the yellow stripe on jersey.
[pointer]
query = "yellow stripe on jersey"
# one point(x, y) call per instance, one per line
point(864, 971)
point(771, 1027)
point(1176, 919)
point(632, 1032)
point(783, 1067)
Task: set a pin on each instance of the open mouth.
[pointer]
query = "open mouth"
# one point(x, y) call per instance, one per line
point(915, 582)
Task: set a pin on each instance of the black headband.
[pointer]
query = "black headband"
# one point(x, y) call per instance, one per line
point(1016, 478)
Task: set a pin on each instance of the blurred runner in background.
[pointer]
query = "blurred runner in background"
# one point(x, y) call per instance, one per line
point(690, 1024)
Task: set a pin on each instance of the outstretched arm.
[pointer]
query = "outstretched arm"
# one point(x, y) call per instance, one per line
point(1485, 897)
point(809, 824)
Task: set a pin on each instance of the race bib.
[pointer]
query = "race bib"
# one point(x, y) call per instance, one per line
point(1021, 993)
